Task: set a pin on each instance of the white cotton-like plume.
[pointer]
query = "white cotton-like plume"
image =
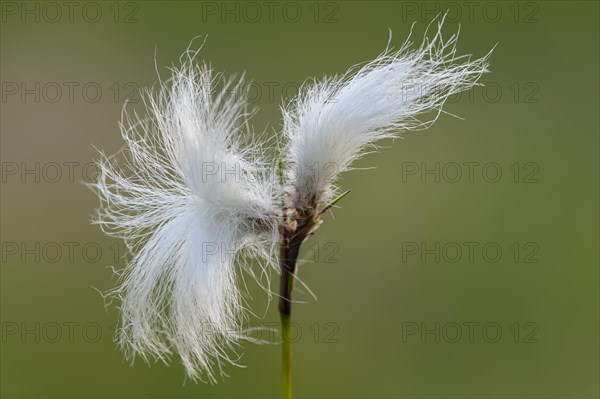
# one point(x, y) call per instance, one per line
point(195, 196)
point(332, 122)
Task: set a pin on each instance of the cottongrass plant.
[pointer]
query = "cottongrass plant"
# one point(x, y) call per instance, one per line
point(201, 180)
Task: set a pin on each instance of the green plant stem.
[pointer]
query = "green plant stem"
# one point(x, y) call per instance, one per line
point(286, 358)
point(285, 311)
point(290, 249)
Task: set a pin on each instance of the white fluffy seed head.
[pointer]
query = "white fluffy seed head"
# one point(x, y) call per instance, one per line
point(195, 196)
point(332, 122)
point(197, 192)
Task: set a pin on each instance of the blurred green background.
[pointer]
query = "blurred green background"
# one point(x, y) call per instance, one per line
point(400, 313)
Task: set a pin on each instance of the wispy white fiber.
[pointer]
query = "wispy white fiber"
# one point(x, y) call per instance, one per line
point(195, 196)
point(333, 121)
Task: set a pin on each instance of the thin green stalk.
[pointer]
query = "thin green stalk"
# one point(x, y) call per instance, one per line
point(290, 249)
point(286, 358)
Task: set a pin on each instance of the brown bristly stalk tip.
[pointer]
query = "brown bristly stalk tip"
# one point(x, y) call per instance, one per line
point(297, 226)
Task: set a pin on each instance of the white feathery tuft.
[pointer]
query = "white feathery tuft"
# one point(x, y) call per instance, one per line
point(200, 198)
point(332, 122)
point(196, 196)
